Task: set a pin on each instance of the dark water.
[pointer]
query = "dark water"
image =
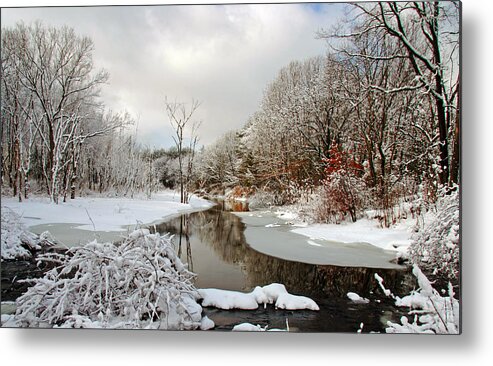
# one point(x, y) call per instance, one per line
point(213, 244)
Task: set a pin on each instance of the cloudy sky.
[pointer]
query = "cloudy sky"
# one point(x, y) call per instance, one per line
point(222, 55)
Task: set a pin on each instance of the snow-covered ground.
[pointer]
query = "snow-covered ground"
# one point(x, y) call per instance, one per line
point(362, 231)
point(397, 237)
point(96, 213)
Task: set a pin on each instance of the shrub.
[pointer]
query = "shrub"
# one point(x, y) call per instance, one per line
point(343, 187)
point(435, 247)
point(138, 283)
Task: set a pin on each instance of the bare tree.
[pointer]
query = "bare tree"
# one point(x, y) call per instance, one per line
point(54, 69)
point(428, 33)
point(180, 118)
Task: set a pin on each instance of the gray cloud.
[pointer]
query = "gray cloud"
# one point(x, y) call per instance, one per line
point(222, 55)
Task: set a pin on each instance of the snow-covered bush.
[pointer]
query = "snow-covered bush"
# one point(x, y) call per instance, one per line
point(17, 241)
point(433, 313)
point(435, 247)
point(138, 283)
point(344, 188)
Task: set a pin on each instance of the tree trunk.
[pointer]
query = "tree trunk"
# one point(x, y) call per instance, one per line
point(455, 161)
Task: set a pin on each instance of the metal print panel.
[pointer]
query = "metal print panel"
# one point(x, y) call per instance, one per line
point(234, 167)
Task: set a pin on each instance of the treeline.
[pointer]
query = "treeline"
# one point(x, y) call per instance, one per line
point(57, 137)
point(372, 123)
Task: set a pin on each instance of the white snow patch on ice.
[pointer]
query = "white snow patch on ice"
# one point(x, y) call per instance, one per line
point(287, 215)
point(362, 231)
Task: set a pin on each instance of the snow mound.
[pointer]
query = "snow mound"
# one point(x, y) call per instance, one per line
point(137, 284)
point(354, 297)
point(293, 302)
point(273, 291)
point(226, 300)
point(269, 294)
point(104, 213)
point(248, 327)
point(206, 323)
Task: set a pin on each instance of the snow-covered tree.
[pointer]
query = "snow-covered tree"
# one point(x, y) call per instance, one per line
point(426, 35)
point(185, 138)
point(57, 86)
point(218, 164)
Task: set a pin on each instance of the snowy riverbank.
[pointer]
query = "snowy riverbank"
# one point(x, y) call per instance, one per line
point(365, 230)
point(283, 235)
point(96, 213)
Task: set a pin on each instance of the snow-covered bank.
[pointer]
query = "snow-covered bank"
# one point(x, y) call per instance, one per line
point(368, 231)
point(101, 213)
point(270, 234)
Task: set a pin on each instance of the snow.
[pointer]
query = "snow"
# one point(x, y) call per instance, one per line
point(206, 323)
point(248, 327)
point(224, 299)
point(354, 297)
point(364, 230)
point(13, 235)
point(287, 215)
point(16, 240)
point(386, 291)
point(273, 293)
point(293, 302)
point(9, 321)
point(103, 213)
point(139, 284)
point(280, 241)
point(432, 313)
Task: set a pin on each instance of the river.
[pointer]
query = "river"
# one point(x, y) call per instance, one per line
point(217, 245)
point(241, 250)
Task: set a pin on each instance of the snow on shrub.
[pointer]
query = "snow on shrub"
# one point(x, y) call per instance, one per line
point(433, 313)
point(436, 246)
point(138, 283)
point(343, 187)
point(17, 241)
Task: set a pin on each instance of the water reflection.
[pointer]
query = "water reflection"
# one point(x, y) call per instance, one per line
point(222, 258)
